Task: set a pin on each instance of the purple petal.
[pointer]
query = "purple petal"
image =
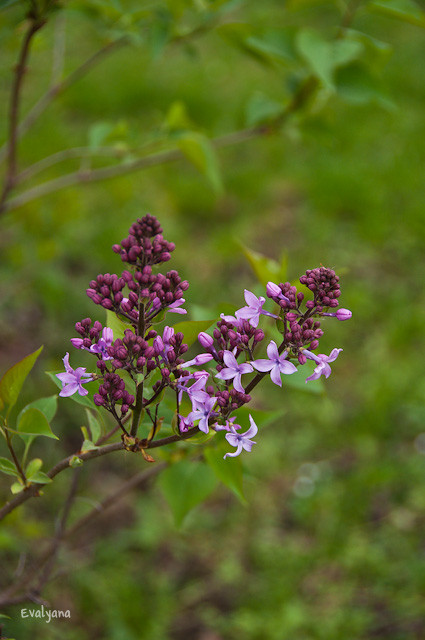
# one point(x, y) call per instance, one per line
point(262, 365)
point(253, 429)
point(226, 374)
point(333, 355)
point(275, 375)
point(82, 391)
point(245, 367)
point(237, 383)
point(232, 439)
point(287, 367)
point(69, 389)
point(230, 360)
point(235, 453)
point(247, 444)
point(272, 351)
point(251, 299)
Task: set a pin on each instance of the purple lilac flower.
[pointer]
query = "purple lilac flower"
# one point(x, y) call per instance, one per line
point(72, 379)
point(196, 392)
point(234, 370)
point(241, 440)
point(322, 360)
point(341, 314)
point(253, 310)
point(202, 358)
point(101, 348)
point(202, 412)
point(276, 364)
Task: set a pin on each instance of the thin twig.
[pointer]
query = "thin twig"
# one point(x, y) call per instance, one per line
point(9, 597)
point(59, 534)
point(58, 88)
point(12, 144)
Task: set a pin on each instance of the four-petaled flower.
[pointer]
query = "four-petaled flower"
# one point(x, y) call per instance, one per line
point(234, 370)
point(73, 379)
point(241, 440)
point(253, 310)
point(323, 368)
point(276, 364)
point(202, 412)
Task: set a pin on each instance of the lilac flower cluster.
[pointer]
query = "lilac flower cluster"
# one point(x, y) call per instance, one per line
point(140, 297)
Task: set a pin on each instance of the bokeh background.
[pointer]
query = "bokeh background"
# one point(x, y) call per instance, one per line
point(330, 543)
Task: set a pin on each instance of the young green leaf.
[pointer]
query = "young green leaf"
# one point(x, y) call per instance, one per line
point(199, 151)
point(266, 269)
point(13, 380)
point(8, 467)
point(185, 484)
point(32, 422)
point(32, 467)
point(40, 478)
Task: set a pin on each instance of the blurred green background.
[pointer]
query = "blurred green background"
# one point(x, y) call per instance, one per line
point(330, 544)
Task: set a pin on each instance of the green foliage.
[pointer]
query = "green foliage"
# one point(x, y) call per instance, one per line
point(266, 269)
point(185, 485)
point(192, 328)
point(12, 381)
point(228, 471)
point(32, 422)
point(199, 151)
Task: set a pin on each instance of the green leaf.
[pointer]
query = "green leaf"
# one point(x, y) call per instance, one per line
point(262, 110)
point(117, 325)
point(88, 445)
point(405, 10)
point(185, 484)
point(324, 57)
point(191, 329)
point(95, 424)
point(356, 85)
point(98, 134)
point(33, 423)
point(16, 487)
point(266, 269)
point(228, 471)
point(13, 380)
point(199, 151)
point(85, 401)
point(8, 467)
point(40, 477)
point(177, 118)
point(47, 406)
point(32, 467)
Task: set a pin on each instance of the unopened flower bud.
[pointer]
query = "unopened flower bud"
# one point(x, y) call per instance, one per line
point(205, 340)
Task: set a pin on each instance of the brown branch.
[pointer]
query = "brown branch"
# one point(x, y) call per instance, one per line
point(105, 173)
point(34, 489)
point(11, 147)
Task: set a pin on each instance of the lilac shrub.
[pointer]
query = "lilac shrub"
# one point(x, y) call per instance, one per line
point(216, 382)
